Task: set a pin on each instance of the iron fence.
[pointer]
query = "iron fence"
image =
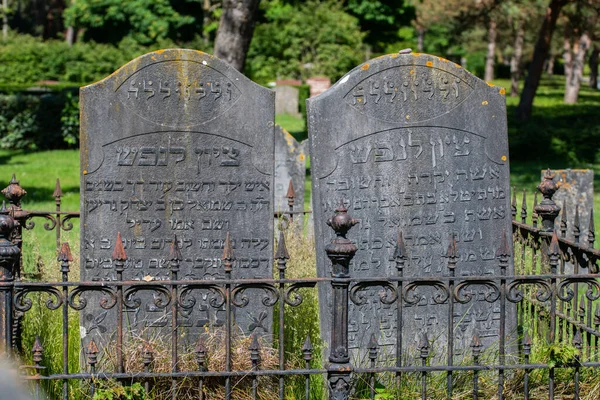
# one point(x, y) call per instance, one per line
point(557, 311)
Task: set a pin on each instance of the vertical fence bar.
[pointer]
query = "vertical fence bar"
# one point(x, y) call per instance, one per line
point(92, 360)
point(340, 251)
point(476, 350)
point(175, 258)
point(9, 259)
point(201, 360)
point(553, 255)
point(562, 324)
point(291, 196)
point(57, 201)
point(526, 353)
point(254, 358)
point(119, 257)
point(282, 256)
point(576, 234)
point(452, 255)
point(423, 348)
point(373, 349)
point(307, 350)
point(577, 342)
point(228, 259)
point(65, 257)
point(147, 358)
point(502, 254)
point(400, 257)
point(38, 355)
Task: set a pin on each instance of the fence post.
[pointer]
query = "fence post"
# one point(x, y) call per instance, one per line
point(548, 210)
point(9, 256)
point(340, 251)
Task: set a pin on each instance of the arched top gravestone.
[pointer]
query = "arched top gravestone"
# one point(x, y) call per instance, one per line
point(413, 143)
point(176, 143)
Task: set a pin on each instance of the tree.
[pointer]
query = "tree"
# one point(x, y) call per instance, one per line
point(540, 54)
point(491, 51)
point(146, 21)
point(594, 66)
point(300, 40)
point(235, 31)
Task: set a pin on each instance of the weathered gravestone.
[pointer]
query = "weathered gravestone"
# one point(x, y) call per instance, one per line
point(286, 98)
point(575, 189)
point(413, 143)
point(176, 142)
point(290, 164)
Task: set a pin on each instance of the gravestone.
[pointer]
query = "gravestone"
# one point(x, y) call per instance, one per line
point(286, 98)
point(176, 143)
point(318, 84)
point(576, 188)
point(290, 163)
point(413, 143)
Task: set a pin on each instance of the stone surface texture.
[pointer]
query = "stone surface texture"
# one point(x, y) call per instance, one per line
point(413, 143)
point(176, 143)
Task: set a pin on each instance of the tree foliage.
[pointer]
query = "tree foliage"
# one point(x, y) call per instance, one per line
point(302, 40)
point(146, 21)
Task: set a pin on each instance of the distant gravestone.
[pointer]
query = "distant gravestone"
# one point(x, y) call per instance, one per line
point(318, 84)
point(290, 163)
point(176, 142)
point(286, 98)
point(575, 188)
point(413, 143)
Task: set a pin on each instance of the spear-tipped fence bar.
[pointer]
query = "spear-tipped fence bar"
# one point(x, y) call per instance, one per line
point(565, 308)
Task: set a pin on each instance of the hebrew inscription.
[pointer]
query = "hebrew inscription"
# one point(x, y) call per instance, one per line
point(176, 146)
point(418, 146)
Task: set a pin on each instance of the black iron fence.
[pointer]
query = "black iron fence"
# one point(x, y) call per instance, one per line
point(555, 347)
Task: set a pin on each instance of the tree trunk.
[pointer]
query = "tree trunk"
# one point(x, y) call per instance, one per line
point(550, 65)
point(420, 39)
point(489, 60)
point(573, 79)
point(4, 20)
point(70, 35)
point(515, 61)
point(594, 67)
point(568, 54)
point(542, 48)
point(235, 31)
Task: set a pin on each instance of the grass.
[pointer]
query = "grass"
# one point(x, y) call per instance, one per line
point(545, 141)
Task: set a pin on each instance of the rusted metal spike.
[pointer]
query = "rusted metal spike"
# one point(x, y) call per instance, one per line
point(476, 345)
point(282, 252)
point(200, 346)
point(92, 353)
point(554, 249)
point(576, 225)
point(13, 180)
point(400, 251)
point(14, 192)
point(92, 348)
point(228, 250)
point(147, 354)
point(373, 347)
point(597, 316)
point(524, 205)
point(452, 252)
point(57, 189)
point(591, 230)
point(174, 251)
point(254, 346)
point(563, 217)
point(307, 347)
point(4, 210)
point(119, 252)
point(291, 193)
point(513, 206)
point(504, 250)
point(526, 339)
point(65, 253)
point(582, 306)
point(423, 345)
point(577, 340)
point(37, 350)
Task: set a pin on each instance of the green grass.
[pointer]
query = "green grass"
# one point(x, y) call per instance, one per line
point(296, 126)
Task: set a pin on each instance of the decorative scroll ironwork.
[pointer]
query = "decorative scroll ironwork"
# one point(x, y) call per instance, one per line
point(23, 304)
point(387, 295)
point(240, 299)
point(107, 301)
point(463, 296)
point(410, 292)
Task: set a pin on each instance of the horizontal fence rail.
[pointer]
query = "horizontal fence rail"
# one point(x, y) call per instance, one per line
point(557, 319)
